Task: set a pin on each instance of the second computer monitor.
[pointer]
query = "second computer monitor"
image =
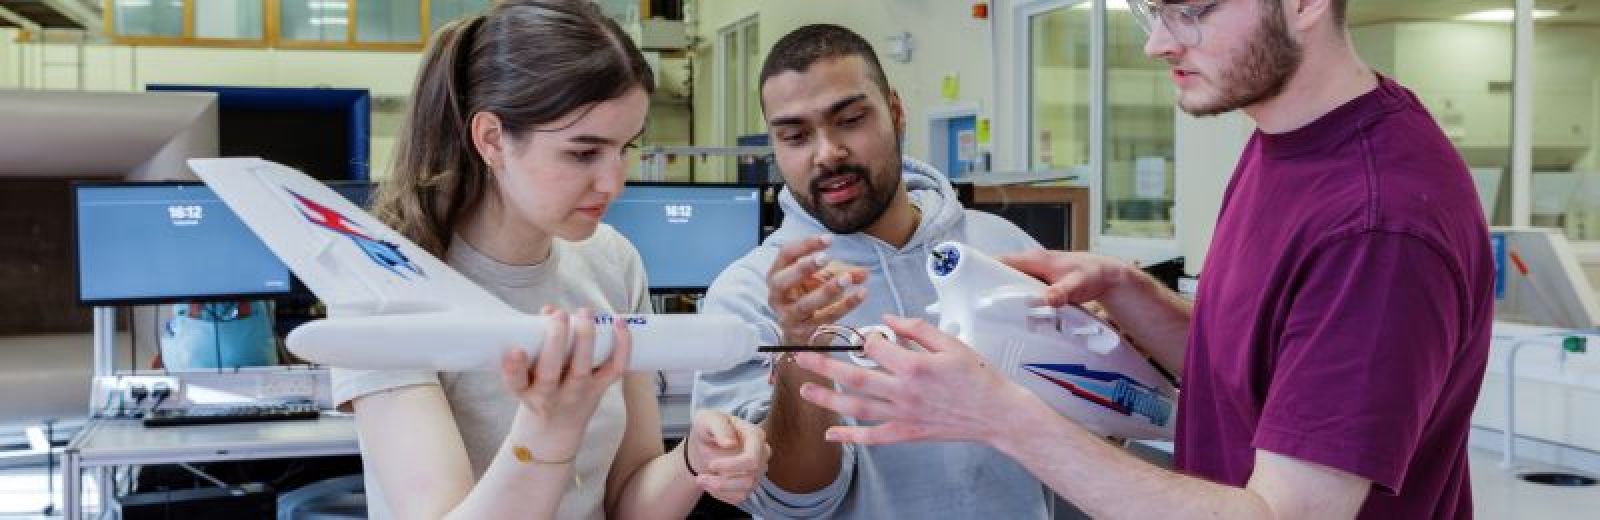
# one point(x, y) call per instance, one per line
point(161, 242)
point(688, 233)
point(174, 241)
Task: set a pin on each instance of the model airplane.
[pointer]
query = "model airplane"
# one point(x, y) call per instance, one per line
point(392, 305)
point(1078, 364)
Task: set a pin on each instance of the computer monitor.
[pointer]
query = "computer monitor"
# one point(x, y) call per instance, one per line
point(1538, 280)
point(164, 242)
point(358, 192)
point(324, 132)
point(688, 233)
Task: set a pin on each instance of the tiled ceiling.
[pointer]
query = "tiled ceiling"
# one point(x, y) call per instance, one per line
point(45, 13)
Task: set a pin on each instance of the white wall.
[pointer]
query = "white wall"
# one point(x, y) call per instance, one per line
point(1207, 151)
point(1450, 65)
point(15, 63)
point(8, 67)
point(947, 40)
point(8, 58)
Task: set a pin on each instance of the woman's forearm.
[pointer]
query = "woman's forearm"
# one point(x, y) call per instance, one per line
point(530, 472)
point(661, 488)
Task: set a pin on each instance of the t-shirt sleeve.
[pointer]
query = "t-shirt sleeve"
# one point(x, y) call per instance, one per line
point(1366, 346)
point(351, 384)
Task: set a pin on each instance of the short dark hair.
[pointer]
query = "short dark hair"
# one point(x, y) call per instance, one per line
point(799, 49)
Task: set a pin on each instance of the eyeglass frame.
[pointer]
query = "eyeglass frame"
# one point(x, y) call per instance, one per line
point(1145, 12)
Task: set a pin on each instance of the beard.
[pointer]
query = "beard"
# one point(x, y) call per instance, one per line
point(877, 191)
point(1266, 67)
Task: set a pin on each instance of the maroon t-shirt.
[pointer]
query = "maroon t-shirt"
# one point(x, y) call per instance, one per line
point(1344, 310)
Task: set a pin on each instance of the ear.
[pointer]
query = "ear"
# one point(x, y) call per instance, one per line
point(1304, 15)
point(486, 133)
point(897, 112)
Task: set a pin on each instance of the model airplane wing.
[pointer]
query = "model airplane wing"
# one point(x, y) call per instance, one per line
point(354, 263)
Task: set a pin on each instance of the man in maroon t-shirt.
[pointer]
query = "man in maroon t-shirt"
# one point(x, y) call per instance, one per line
point(1332, 359)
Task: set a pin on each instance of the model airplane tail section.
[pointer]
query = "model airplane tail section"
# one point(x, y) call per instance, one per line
point(1076, 363)
point(353, 262)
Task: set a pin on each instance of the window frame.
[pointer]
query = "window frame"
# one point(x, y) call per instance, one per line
point(1020, 18)
point(732, 61)
point(272, 26)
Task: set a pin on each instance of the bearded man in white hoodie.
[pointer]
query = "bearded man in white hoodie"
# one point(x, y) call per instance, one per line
point(859, 220)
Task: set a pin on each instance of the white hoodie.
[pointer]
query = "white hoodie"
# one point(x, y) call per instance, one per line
point(914, 480)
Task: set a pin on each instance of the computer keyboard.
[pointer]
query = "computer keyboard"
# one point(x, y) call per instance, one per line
point(230, 414)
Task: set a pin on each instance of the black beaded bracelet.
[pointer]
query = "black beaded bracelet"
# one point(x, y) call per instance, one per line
point(686, 464)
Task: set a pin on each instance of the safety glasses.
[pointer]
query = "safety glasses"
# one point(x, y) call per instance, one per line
point(1181, 20)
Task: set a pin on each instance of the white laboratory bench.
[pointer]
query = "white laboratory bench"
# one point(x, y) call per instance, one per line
point(109, 442)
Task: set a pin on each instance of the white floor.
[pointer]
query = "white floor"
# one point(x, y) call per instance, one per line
point(23, 495)
point(1496, 494)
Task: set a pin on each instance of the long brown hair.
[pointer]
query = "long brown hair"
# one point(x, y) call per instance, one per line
point(529, 62)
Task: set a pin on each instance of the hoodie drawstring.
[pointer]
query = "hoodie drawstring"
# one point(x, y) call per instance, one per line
point(899, 305)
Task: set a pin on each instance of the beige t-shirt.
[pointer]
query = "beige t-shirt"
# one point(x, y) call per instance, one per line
point(603, 273)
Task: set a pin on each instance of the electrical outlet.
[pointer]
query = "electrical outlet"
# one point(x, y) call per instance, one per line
point(149, 382)
point(113, 394)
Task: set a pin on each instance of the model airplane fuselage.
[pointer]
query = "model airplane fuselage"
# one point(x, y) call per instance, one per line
point(1076, 363)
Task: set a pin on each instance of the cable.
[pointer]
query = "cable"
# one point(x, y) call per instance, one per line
point(771, 349)
point(139, 393)
point(133, 339)
point(855, 340)
point(161, 331)
point(160, 391)
point(155, 325)
point(107, 407)
point(50, 465)
point(216, 333)
point(203, 475)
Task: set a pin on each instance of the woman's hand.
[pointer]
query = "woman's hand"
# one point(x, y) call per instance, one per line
point(563, 387)
point(729, 454)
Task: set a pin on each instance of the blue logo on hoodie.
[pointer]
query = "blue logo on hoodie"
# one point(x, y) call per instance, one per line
point(945, 260)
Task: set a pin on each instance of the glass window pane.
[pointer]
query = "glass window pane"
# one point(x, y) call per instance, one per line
point(388, 20)
point(149, 17)
point(229, 19)
point(440, 12)
point(1566, 115)
point(315, 20)
point(1058, 112)
point(754, 122)
point(1461, 70)
point(1138, 182)
point(732, 66)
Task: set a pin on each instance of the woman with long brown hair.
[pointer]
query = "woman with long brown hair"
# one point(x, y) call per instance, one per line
point(515, 145)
